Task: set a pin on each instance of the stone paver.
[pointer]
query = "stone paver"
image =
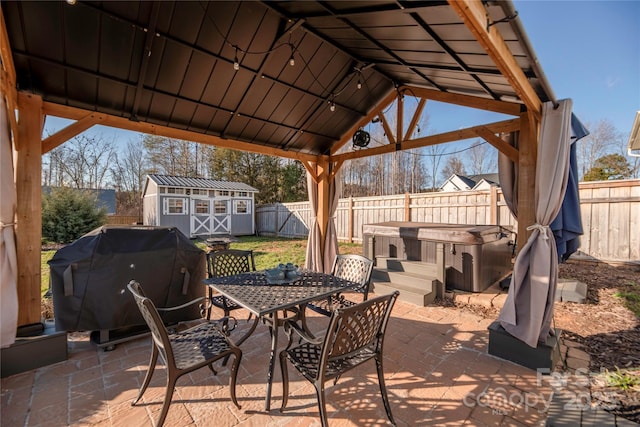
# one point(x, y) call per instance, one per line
point(437, 370)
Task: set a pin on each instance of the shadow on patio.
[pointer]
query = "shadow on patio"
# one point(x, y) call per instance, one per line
point(436, 365)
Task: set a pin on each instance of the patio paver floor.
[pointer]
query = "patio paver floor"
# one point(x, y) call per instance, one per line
point(437, 370)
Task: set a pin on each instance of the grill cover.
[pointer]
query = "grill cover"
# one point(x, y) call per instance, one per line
point(89, 277)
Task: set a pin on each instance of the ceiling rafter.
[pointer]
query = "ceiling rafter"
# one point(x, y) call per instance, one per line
point(325, 39)
point(146, 55)
point(452, 54)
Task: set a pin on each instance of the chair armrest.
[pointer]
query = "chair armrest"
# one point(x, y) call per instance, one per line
point(181, 306)
point(224, 325)
point(291, 326)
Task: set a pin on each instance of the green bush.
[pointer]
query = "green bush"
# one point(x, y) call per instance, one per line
point(68, 213)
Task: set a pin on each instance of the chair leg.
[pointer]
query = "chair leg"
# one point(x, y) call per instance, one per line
point(147, 377)
point(249, 332)
point(171, 384)
point(383, 389)
point(285, 380)
point(319, 384)
point(233, 375)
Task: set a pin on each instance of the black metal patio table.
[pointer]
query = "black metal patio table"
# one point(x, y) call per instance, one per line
point(254, 292)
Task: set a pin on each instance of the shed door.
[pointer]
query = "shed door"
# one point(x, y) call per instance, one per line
point(201, 216)
point(221, 218)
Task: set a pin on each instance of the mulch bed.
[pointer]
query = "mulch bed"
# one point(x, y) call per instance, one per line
point(604, 327)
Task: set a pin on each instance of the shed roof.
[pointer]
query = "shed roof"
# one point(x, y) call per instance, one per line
point(211, 184)
point(171, 63)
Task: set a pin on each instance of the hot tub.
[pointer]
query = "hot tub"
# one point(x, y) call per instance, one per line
point(476, 256)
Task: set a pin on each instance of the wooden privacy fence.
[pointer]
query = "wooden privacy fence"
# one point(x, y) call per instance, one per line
point(610, 215)
point(122, 219)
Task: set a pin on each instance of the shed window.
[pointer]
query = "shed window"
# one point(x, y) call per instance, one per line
point(243, 194)
point(242, 206)
point(220, 207)
point(201, 207)
point(200, 192)
point(175, 190)
point(175, 206)
point(223, 193)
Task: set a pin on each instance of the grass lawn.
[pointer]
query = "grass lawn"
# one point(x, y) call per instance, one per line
point(268, 252)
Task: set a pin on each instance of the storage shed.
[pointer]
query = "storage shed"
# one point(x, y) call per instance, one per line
point(199, 206)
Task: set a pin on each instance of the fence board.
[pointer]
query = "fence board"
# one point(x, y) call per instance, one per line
point(610, 213)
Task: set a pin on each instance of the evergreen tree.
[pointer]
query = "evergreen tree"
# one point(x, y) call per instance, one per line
point(68, 213)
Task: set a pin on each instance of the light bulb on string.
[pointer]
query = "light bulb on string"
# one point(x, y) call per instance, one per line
point(236, 64)
point(332, 107)
point(359, 85)
point(292, 61)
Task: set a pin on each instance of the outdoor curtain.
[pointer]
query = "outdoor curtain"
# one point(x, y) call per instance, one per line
point(316, 260)
point(331, 237)
point(8, 259)
point(313, 260)
point(528, 310)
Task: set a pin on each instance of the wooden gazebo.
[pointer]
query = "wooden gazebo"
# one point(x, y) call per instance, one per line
point(289, 79)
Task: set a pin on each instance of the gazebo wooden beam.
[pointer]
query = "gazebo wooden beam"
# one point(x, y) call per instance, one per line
point(504, 107)
point(508, 150)
point(456, 135)
point(8, 76)
point(153, 129)
point(375, 111)
point(68, 132)
point(474, 16)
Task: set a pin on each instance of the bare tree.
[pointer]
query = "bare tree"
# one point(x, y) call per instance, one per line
point(603, 139)
point(435, 154)
point(82, 162)
point(482, 158)
point(453, 166)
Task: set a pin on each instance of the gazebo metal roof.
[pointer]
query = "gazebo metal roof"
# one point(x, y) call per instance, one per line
point(171, 63)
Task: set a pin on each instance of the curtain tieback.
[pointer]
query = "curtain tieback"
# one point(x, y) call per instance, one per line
point(543, 229)
point(5, 225)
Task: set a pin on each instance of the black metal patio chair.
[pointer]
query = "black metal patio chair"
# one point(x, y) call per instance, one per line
point(228, 262)
point(183, 349)
point(354, 336)
point(353, 267)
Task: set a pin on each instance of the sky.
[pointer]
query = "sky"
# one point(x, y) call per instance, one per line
point(589, 51)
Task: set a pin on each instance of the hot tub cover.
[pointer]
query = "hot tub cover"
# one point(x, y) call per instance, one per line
point(467, 234)
point(89, 277)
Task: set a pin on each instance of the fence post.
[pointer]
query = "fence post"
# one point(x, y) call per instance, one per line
point(441, 270)
point(493, 205)
point(350, 221)
point(407, 207)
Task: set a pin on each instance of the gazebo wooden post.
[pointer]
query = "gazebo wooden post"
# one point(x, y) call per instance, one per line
point(29, 205)
point(323, 174)
point(528, 147)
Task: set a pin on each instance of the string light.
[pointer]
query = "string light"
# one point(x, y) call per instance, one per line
point(332, 107)
point(292, 60)
point(236, 64)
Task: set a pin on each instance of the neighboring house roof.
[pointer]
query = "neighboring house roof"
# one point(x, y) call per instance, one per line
point(211, 184)
point(458, 182)
point(633, 147)
point(106, 198)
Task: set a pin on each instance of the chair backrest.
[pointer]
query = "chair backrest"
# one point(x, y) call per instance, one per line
point(153, 320)
point(229, 262)
point(355, 268)
point(356, 327)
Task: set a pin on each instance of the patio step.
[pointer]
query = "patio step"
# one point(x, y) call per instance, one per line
point(413, 279)
point(397, 264)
